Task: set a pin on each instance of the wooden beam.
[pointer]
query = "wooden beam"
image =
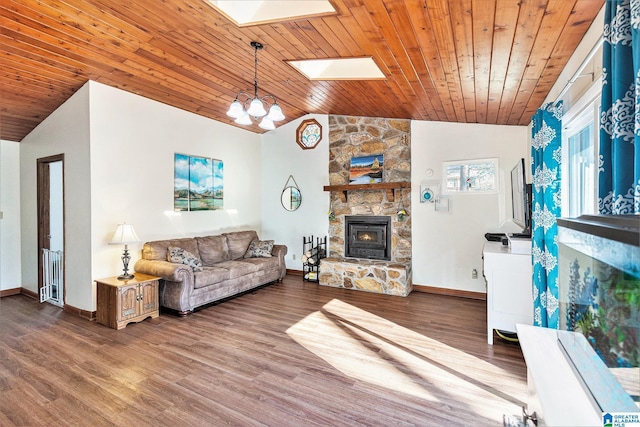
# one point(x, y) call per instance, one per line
point(388, 187)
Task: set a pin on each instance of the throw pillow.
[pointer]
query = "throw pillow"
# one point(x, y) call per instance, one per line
point(259, 249)
point(181, 256)
point(238, 242)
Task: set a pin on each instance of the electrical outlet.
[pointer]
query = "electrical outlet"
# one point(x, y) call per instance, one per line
point(474, 274)
point(293, 256)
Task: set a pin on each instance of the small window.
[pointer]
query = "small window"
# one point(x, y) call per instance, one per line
point(470, 176)
point(309, 134)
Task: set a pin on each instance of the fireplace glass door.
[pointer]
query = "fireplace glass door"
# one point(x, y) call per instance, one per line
point(368, 237)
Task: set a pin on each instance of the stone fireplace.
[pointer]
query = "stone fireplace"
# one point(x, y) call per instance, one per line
point(366, 268)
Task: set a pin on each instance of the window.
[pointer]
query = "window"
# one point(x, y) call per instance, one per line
point(579, 154)
point(581, 172)
point(470, 176)
point(309, 134)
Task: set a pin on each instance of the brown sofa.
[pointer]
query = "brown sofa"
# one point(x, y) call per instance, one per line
point(225, 270)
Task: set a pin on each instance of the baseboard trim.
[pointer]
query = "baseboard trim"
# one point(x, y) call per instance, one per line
point(9, 292)
point(450, 292)
point(29, 293)
point(294, 272)
point(85, 314)
point(428, 289)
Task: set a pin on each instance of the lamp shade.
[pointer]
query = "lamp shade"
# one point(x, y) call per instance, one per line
point(275, 113)
point(235, 109)
point(256, 109)
point(124, 234)
point(267, 124)
point(243, 119)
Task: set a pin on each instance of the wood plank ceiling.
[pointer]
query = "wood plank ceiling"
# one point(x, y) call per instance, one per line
point(471, 61)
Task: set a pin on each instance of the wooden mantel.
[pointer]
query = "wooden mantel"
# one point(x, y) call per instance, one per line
point(389, 187)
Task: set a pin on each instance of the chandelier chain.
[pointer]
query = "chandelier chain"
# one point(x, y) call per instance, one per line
point(255, 72)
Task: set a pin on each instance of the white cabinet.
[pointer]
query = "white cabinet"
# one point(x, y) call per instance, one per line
point(557, 395)
point(509, 286)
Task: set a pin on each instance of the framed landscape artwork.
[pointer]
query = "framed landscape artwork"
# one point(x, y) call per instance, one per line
point(366, 169)
point(198, 183)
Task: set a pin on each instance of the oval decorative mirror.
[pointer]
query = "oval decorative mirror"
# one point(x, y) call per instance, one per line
point(291, 197)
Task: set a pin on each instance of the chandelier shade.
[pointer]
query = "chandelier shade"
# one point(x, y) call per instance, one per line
point(275, 113)
point(245, 106)
point(256, 109)
point(267, 124)
point(236, 109)
point(244, 119)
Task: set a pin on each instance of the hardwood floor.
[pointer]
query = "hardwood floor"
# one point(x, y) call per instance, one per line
point(290, 354)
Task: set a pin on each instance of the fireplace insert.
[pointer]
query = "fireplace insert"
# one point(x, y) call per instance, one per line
point(367, 237)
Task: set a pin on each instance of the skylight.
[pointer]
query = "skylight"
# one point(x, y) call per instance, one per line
point(252, 12)
point(339, 69)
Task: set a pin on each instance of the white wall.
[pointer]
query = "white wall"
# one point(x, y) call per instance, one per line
point(281, 157)
point(583, 80)
point(581, 102)
point(10, 274)
point(458, 234)
point(65, 131)
point(118, 166)
point(447, 246)
point(133, 142)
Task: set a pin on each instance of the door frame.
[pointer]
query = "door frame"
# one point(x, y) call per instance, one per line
point(43, 193)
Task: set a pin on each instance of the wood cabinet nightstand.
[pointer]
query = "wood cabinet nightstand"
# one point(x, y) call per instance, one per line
point(121, 302)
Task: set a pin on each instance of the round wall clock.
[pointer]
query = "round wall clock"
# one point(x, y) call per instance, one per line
point(308, 134)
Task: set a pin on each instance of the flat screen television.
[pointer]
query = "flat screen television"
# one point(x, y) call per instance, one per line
point(521, 198)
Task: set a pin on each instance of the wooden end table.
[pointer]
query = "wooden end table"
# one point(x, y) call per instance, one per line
point(121, 302)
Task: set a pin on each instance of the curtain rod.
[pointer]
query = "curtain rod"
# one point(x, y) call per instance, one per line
point(580, 69)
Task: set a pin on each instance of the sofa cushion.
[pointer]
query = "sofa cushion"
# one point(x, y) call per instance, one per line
point(237, 268)
point(263, 263)
point(259, 249)
point(158, 250)
point(238, 242)
point(213, 249)
point(209, 276)
point(181, 256)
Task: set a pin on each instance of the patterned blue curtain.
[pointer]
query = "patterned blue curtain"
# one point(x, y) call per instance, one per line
point(546, 152)
point(619, 169)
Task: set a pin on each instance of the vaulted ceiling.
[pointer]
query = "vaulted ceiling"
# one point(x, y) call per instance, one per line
point(471, 61)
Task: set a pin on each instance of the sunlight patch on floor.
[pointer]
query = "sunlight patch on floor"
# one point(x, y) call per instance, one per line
point(370, 348)
point(408, 339)
point(329, 341)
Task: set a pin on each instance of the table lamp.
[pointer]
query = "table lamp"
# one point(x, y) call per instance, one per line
point(124, 235)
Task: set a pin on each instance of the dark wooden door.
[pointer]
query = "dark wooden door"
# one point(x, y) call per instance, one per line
point(44, 219)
